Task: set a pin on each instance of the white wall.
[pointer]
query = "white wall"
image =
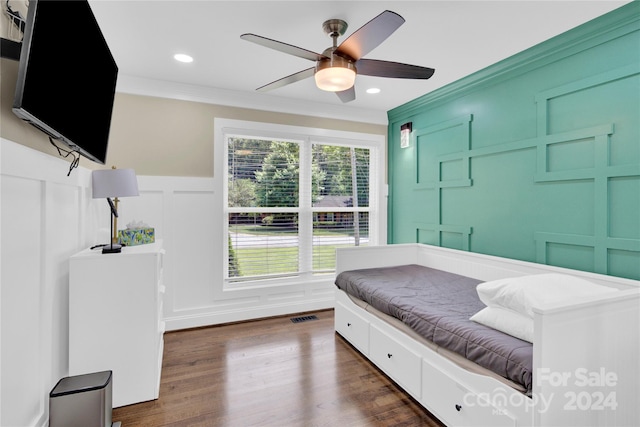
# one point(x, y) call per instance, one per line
point(45, 217)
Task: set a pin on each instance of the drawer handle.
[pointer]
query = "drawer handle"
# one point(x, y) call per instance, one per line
point(458, 407)
point(348, 325)
point(389, 355)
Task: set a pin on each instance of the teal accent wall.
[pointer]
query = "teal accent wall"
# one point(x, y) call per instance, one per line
point(535, 158)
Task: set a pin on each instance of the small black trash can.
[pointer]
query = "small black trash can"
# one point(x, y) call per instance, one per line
point(81, 401)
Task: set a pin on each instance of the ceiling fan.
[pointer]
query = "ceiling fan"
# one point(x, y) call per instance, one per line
point(336, 68)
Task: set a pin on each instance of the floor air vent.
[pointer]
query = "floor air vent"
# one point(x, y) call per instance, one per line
point(303, 319)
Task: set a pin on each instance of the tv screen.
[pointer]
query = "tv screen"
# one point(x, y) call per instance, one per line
point(67, 76)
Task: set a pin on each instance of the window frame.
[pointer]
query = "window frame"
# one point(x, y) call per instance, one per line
point(306, 136)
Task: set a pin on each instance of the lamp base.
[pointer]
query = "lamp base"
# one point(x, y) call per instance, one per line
point(112, 248)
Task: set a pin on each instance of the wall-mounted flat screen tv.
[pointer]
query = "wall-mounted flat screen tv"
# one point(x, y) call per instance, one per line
point(67, 76)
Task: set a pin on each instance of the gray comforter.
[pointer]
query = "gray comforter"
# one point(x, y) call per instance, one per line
point(438, 305)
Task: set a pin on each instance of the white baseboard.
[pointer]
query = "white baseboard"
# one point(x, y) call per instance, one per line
point(240, 314)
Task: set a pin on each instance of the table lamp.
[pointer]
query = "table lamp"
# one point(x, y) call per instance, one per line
point(113, 183)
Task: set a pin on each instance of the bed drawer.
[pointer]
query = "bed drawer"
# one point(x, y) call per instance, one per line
point(353, 327)
point(396, 360)
point(455, 405)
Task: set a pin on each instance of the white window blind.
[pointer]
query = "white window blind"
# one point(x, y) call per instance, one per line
point(291, 203)
point(342, 191)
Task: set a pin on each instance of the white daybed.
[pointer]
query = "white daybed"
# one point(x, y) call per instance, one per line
point(586, 353)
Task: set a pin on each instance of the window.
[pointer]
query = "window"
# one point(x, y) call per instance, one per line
point(291, 200)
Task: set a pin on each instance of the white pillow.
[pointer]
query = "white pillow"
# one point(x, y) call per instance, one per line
point(519, 294)
point(507, 321)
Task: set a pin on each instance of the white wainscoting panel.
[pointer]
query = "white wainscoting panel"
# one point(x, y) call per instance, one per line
point(22, 292)
point(42, 223)
point(62, 219)
point(194, 239)
point(186, 215)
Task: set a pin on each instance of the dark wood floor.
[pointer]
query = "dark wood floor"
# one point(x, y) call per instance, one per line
point(271, 372)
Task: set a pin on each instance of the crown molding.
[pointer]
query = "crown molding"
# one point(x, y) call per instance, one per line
point(208, 95)
point(603, 29)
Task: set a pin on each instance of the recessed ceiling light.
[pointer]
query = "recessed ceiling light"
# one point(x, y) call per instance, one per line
point(182, 57)
point(373, 90)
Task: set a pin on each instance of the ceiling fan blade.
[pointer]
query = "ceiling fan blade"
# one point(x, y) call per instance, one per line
point(377, 68)
point(347, 95)
point(370, 35)
point(300, 75)
point(282, 47)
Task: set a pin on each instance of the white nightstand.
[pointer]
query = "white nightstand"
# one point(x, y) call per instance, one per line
point(115, 319)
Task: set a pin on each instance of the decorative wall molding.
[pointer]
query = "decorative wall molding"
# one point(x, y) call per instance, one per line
point(599, 170)
point(549, 168)
point(431, 175)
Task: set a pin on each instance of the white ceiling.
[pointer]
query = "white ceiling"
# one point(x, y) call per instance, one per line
point(456, 38)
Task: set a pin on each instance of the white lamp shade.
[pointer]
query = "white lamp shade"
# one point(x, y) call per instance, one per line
point(114, 183)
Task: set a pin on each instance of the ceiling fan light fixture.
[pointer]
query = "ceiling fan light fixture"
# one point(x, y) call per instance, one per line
point(335, 68)
point(335, 74)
